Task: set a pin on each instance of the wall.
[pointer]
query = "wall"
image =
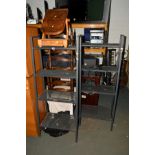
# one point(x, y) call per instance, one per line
point(119, 21)
point(40, 4)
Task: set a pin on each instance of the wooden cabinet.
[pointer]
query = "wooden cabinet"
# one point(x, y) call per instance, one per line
point(32, 125)
point(32, 128)
point(31, 31)
point(31, 113)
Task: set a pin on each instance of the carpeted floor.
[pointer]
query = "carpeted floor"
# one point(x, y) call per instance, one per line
point(95, 137)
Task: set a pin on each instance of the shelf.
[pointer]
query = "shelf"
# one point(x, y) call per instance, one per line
point(65, 122)
point(96, 112)
point(57, 73)
point(106, 90)
point(97, 24)
point(100, 69)
point(70, 47)
point(104, 45)
point(50, 95)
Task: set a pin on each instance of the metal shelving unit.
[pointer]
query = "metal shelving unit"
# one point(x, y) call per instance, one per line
point(73, 122)
point(66, 123)
point(105, 89)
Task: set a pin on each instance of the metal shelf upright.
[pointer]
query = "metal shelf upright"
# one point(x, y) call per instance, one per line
point(50, 95)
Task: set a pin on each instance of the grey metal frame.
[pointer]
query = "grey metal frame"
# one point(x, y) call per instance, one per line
point(79, 68)
point(100, 90)
point(77, 99)
point(119, 65)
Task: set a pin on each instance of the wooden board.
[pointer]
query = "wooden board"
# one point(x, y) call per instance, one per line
point(53, 42)
point(31, 114)
point(31, 31)
point(32, 128)
point(90, 25)
point(102, 50)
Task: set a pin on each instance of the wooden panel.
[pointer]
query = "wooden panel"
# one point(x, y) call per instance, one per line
point(90, 25)
point(103, 50)
point(31, 121)
point(31, 31)
point(34, 26)
point(52, 42)
point(32, 128)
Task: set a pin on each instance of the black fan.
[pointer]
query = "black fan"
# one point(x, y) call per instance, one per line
point(46, 6)
point(29, 14)
point(39, 14)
